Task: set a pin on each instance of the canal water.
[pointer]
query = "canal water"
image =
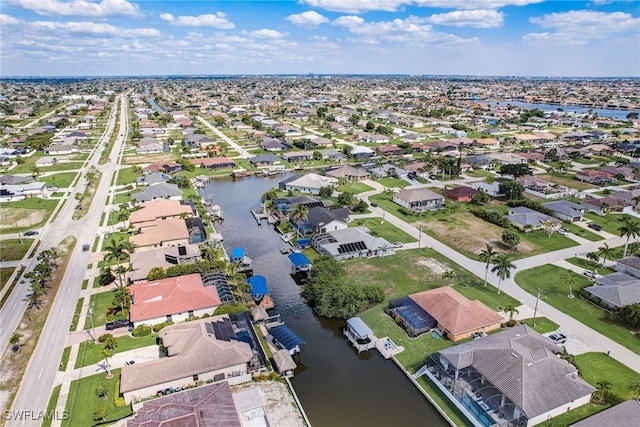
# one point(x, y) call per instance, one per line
point(602, 112)
point(336, 385)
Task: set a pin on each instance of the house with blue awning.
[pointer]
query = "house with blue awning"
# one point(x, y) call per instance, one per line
point(285, 338)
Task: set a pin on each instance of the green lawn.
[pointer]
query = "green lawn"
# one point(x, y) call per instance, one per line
point(65, 359)
point(541, 240)
point(100, 303)
point(590, 265)
point(595, 367)
point(393, 182)
point(585, 234)
point(358, 187)
point(123, 197)
point(62, 180)
point(82, 400)
point(387, 230)
point(76, 315)
point(126, 176)
point(610, 222)
point(555, 291)
point(51, 406)
point(12, 249)
point(5, 275)
point(543, 325)
point(90, 353)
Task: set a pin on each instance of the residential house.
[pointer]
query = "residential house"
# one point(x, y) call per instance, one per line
point(460, 194)
point(15, 192)
point(298, 156)
point(361, 152)
point(162, 190)
point(323, 220)
point(349, 172)
point(196, 230)
point(390, 150)
point(595, 177)
point(159, 233)
point(198, 351)
point(349, 243)
point(513, 377)
point(210, 405)
point(321, 142)
point(620, 288)
point(264, 160)
point(311, 183)
point(272, 144)
point(623, 172)
point(174, 298)
point(606, 204)
point(160, 209)
point(456, 316)
point(150, 147)
point(492, 190)
point(142, 262)
point(152, 178)
point(486, 144)
point(419, 199)
point(57, 150)
point(524, 218)
point(214, 163)
point(565, 210)
point(623, 414)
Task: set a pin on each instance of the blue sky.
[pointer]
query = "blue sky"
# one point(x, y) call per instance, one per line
point(462, 37)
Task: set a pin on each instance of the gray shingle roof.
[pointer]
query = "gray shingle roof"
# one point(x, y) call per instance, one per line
point(523, 365)
point(157, 191)
point(625, 414)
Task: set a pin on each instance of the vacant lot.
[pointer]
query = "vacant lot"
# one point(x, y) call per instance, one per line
point(25, 214)
point(12, 249)
point(149, 158)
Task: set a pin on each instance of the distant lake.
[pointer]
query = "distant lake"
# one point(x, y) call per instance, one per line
point(602, 112)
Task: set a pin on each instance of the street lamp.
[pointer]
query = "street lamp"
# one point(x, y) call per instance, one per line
point(535, 310)
point(90, 313)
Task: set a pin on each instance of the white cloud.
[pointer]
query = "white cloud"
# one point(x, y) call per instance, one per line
point(92, 28)
point(469, 18)
point(356, 6)
point(266, 33)
point(103, 9)
point(309, 19)
point(7, 20)
point(348, 22)
point(219, 20)
point(580, 26)
point(359, 6)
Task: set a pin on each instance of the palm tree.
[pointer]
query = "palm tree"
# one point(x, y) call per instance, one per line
point(502, 268)
point(570, 280)
point(604, 387)
point(299, 213)
point(122, 271)
point(605, 252)
point(487, 255)
point(636, 200)
point(550, 226)
point(449, 274)
point(634, 387)
point(629, 229)
point(106, 354)
point(454, 208)
point(511, 309)
point(114, 250)
point(122, 297)
point(109, 342)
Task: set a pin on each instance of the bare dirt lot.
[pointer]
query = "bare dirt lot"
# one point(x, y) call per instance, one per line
point(149, 158)
point(21, 217)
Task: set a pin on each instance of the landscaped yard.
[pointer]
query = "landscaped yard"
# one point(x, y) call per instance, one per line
point(590, 265)
point(356, 188)
point(100, 302)
point(24, 214)
point(90, 353)
point(393, 182)
point(543, 325)
point(582, 232)
point(61, 180)
point(387, 231)
point(82, 400)
point(126, 176)
point(555, 291)
point(595, 367)
point(610, 222)
point(12, 249)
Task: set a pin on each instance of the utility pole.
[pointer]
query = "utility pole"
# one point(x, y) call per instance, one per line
point(93, 329)
point(535, 310)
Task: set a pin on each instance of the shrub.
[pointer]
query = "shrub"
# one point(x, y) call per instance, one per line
point(159, 326)
point(229, 309)
point(491, 216)
point(103, 337)
point(118, 400)
point(141, 331)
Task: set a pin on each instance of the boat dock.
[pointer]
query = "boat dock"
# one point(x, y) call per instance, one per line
point(259, 214)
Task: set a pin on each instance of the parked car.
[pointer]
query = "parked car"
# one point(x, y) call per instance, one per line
point(30, 233)
point(592, 274)
point(558, 338)
point(118, 323)
point(595, 226)
point(374, 204)
point(52, 188)
point(397, 245)
point(563, 231)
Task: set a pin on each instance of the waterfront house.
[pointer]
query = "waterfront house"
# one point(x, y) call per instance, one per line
point(162, 190)
point(311, 183)
point(513, 377)
point(349, 243)
point(298, 156)
point(198, 351)
point(143, 261)
point(419, 199)
point(214, 163)
point(159, 233)
point(349, 172)
point(160, 209)
point(264, 160)
point(322, 219)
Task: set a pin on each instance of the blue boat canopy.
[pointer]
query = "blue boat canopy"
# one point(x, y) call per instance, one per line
point(237, 254)
point(258, 285)
point(286, 336)
point(298, 259)
point(359, 328)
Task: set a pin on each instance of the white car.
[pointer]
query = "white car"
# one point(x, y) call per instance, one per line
point(563, 231)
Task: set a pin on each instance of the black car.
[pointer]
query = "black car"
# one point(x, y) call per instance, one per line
point(30, 233)
point(118, 323)
point(374, 204)
point(595, 226)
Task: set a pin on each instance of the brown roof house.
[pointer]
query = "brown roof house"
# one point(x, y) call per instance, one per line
point(513, 377)
point(159, 233)
point(456, 316)
point(214, 163)
point(159, 209)
point(207, 406)
point(460, 194)
point(174, 298)
point(198, 351)
point(142, 262)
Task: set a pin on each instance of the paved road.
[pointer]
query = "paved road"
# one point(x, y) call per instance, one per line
point(40, 375)
point(243, 153)
point(508, 286)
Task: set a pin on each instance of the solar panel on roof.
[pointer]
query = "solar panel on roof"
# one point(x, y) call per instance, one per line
point(351, 247)
point(209, 328)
